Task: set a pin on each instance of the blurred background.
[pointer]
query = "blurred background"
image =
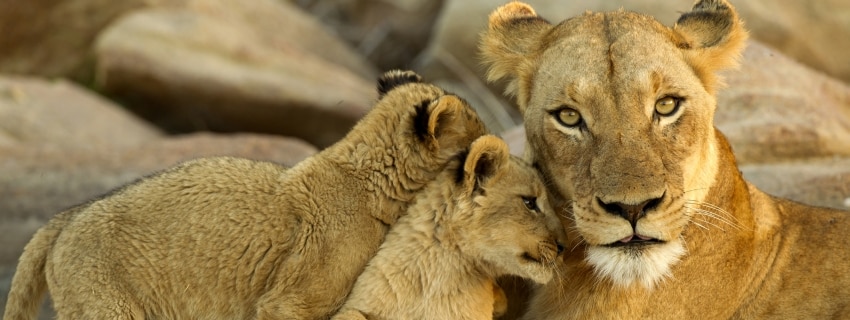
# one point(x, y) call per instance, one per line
point(97, 93)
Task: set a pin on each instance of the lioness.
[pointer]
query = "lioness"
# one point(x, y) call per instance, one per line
point(618, 110)
point(485, 216)
point(227, 238)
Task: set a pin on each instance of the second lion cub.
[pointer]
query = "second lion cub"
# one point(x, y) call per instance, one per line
point(485, 216)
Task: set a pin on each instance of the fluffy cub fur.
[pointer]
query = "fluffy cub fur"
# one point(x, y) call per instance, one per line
point(486, 216)
point(226, 238)
point(619, 110)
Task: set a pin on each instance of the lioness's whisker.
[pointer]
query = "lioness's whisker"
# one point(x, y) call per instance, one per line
point(708, 222)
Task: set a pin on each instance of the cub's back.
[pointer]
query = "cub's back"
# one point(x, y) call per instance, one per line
point(185, 216)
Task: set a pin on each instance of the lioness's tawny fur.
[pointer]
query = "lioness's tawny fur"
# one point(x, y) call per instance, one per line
point(618, 111)
point(487, 215)
point(227, 238)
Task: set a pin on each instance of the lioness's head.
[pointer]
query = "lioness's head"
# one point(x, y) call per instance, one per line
point(618, 111)
point(504, 217)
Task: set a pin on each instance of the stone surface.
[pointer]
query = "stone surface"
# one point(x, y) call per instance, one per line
point(390, 33)
point(775, 109)
point(36, 182)
point(816, 33)
point(824, 182)
point(35, 111)
point(54, 38)
point(193, 70)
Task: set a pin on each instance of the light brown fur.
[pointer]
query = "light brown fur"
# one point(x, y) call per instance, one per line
point(718, 247)
point(227, 238)
point(486, 216)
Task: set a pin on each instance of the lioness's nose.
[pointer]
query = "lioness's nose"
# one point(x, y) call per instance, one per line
point(630, 212)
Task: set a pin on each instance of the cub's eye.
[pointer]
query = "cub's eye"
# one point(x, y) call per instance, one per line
point(667, 106)
point(567, 117)
point(530, 203)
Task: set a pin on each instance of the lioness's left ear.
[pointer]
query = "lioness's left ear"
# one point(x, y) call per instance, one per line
point(711, 37)
point(486, 157)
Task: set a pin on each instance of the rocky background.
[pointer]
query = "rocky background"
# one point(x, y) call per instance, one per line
point(97, 93)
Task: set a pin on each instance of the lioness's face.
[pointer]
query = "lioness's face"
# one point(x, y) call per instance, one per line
point(620, 124)
point(618, 112)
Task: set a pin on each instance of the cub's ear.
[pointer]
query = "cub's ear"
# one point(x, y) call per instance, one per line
point(395, 78)
point(448, 125)
point(512, 35)
point(487, 155)
point(712, 37)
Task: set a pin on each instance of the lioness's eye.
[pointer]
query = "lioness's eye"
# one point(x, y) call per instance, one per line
point(667, 106)
point(568, 117)
point(530, 203)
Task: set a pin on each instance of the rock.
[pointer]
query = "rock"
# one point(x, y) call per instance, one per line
point(191, 70)
point(775, 109)
point(823, 182)
point(816, 33)
point(50, 38)
point(35, 111)
point(53, 38)
point(390, 33)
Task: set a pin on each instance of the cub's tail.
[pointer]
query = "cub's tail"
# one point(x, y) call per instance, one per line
point(29, 282)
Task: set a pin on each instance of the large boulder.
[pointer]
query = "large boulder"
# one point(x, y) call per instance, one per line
point(36, 111)
point(223, 68)
point(824, 182)
point(390, 33)
point(816, 33)
point(775, 109)
point(54, 38)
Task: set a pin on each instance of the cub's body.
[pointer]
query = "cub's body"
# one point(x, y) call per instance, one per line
point(226, 238)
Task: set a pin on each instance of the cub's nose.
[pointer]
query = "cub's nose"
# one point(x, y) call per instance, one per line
point(631, 212)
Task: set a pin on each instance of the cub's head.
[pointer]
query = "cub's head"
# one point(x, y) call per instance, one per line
point(503, 217)
point(414, 127)
point(618, 111)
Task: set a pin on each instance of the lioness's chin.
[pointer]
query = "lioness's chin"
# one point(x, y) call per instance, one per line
point(626, 265)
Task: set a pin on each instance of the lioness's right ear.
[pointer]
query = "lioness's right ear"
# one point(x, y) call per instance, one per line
point(711, 36)
point(510, 38)
point(486, 157)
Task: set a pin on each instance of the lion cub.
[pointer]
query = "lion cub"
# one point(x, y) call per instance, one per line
point(486, 216)
point(226, 238)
